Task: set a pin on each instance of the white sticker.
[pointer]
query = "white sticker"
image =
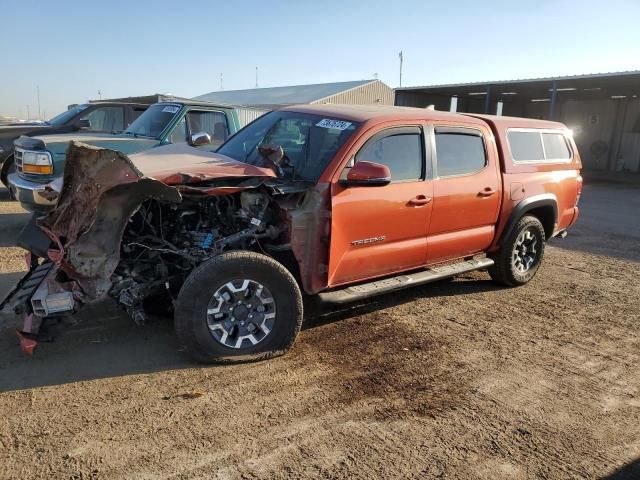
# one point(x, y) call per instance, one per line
point(334, 124)
point(171, 109)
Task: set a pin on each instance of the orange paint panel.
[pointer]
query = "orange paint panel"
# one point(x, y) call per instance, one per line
point(377, 231)
point(462, 243)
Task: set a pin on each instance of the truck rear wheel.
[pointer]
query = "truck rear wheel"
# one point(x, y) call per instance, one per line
point(520, 255)
point(238, 306)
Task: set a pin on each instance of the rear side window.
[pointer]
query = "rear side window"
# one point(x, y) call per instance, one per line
point(555, 146)
point(525, 146)
point(401, 152)
point(459, 153)
point(538, 146)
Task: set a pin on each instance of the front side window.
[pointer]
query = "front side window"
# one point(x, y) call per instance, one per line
point(154, 120)
point(213, 123)
point(309, 142)
point(401, 152)
point(105, 119)
point(459, 153)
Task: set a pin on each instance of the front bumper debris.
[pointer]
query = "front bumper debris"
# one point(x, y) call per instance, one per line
point(19, 299)
point(31, 195)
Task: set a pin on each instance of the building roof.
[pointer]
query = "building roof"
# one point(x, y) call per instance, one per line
point(282, 95)
point(587, 76)
point(588, 86)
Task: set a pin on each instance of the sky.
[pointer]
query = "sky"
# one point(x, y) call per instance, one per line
point(70, 50)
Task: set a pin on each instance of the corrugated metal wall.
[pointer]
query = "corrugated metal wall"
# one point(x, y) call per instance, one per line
point(606, 131)
point(374, 93)
point(247, 115)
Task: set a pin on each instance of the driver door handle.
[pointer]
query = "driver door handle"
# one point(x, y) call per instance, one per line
point(419, 200)
point(487, 192)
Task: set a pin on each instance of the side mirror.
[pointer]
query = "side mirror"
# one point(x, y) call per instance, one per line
point(200, 138)
point(368, 174)
point(82, 123)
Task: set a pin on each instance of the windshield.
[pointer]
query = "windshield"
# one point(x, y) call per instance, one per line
point(64, 117)
point(154, 120)
point(309, 142)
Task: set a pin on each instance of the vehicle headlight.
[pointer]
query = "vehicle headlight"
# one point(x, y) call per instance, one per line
point(37, 162)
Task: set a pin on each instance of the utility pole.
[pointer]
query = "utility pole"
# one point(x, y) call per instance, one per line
point(221, 85)
point(256, 77)
point(100, 94)
point(28, 114)
point(39, 115)
point(401, 58)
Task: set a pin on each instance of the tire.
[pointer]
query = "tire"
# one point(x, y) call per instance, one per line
point(237, 286)
point(8, 167)
point(520, 255)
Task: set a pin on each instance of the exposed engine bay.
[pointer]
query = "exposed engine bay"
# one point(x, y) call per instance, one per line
point(162, 243)
point(135, 235)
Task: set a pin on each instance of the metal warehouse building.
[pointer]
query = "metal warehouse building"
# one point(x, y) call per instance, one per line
point(361, 92)
point(603, 110)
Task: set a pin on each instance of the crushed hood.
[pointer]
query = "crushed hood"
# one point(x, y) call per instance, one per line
point(101, 189)
point(181, 165)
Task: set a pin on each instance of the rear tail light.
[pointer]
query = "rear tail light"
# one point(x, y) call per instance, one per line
point(579, 181)
point(37, 162)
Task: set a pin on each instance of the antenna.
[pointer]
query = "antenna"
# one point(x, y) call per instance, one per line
point(256, 77)
point(401, 59)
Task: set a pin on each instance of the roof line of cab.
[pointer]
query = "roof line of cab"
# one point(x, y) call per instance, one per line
point(382, 113)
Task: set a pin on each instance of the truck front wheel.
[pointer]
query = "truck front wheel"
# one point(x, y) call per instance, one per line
point(8, 167)
point(238, 306)
point(520, 254)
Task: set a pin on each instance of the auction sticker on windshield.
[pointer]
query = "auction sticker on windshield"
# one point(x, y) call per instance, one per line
point(334, 124)
point(171, 109)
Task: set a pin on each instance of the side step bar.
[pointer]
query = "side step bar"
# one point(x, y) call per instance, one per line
point(378, 287)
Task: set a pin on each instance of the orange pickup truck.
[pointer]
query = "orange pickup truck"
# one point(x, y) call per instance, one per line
point(343, 202)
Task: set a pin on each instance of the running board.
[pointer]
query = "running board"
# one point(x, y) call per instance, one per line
point(378, 287)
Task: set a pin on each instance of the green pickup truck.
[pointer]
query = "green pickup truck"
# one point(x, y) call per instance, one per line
point(40, 160)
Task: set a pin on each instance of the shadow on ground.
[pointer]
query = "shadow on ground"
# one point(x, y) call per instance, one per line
point(631, 471)
point(107, 344)
point(11, 225)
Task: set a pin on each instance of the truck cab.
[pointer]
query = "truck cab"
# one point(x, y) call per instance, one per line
point(39, 160)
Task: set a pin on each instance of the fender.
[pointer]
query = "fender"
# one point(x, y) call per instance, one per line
point(525, 206)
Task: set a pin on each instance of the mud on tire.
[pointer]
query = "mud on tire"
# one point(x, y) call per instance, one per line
point(520, 254)
point(219, 296)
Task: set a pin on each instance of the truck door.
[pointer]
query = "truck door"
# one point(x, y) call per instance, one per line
point(379, 230)
point(467, 191)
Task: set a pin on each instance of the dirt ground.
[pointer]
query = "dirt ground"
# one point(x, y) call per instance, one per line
point(459, 379)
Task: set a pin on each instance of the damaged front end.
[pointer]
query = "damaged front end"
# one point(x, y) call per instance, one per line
point(122, 230)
